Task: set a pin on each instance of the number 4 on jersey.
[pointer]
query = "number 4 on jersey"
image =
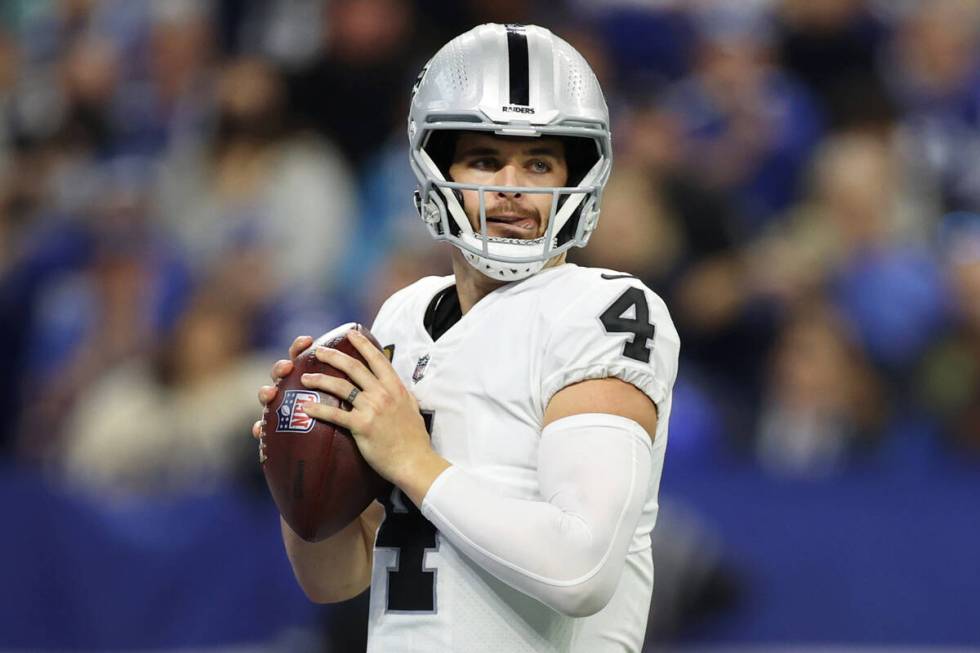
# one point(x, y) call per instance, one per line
point(631, 314)
point(411, 585)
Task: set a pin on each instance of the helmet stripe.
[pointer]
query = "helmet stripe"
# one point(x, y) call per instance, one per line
point(520, 65)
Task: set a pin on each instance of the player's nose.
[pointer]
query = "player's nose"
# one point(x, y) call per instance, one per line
point(508, 175)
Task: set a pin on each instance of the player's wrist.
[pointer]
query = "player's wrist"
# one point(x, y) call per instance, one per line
point(417, 473)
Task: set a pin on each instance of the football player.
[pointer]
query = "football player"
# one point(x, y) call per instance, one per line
point(523, 416)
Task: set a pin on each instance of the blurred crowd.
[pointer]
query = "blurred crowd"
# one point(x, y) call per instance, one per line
point(186, 185)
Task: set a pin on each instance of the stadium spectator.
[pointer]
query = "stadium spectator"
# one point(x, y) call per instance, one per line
point(858, 241)
point(354, 93)
point(103, 284)
point(934, 74)
point(950, 373)
point(823, 400)
point(168, 421)
point(832, 47)
point(269, 210)
point(748, 126)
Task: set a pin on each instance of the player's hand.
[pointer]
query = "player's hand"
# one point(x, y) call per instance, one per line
point(385, 419)
point(280, 369)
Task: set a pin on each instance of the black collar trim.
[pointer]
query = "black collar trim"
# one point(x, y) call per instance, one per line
point(442, 313)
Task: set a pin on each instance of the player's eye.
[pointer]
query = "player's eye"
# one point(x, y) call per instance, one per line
point(484, 163)
point(539, 166)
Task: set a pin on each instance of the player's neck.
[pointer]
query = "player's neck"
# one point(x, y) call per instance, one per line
point(472, 285)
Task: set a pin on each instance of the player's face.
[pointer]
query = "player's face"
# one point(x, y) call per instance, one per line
point(509, 161)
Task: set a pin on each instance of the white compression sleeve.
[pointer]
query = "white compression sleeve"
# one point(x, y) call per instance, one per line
point(568, 548)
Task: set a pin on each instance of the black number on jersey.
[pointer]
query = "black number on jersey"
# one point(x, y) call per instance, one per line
point(411, 587)
point(631, 314)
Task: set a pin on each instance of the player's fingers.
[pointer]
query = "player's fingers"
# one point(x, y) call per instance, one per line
point(299, 344)
point(281, 368)
point(267, 393)
point(379, 363)
point(340, 388)
point(257, 428)
point(332, 414)
point(355, 370)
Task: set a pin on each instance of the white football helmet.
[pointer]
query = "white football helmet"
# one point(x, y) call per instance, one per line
point(511, 80)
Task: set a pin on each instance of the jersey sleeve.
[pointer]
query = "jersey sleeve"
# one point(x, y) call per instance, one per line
point(382, 321)
point(616, 328)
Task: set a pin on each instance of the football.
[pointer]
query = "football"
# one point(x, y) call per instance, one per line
point(315, 472)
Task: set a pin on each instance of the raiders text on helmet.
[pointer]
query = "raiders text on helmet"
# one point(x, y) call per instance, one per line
point(510, 80)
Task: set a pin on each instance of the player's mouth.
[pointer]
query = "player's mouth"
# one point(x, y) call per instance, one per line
point(512, 225)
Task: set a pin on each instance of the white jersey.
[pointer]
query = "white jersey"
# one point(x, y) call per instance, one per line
point(483, 387)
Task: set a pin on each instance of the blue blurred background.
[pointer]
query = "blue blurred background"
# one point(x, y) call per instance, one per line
point(187, 185)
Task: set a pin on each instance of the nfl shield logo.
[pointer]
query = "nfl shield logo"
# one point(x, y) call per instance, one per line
point(292, 417)
point(420, 369)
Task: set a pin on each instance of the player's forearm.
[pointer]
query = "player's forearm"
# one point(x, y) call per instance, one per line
point(532, 546)
point(567, 549)
point(337, 568)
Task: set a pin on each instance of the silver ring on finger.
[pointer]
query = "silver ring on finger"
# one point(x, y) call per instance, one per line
point(353, 395)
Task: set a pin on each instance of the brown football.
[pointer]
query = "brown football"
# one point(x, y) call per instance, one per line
point(317, 476)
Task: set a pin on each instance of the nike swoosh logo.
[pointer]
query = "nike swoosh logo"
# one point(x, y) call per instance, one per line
point(617, 276)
